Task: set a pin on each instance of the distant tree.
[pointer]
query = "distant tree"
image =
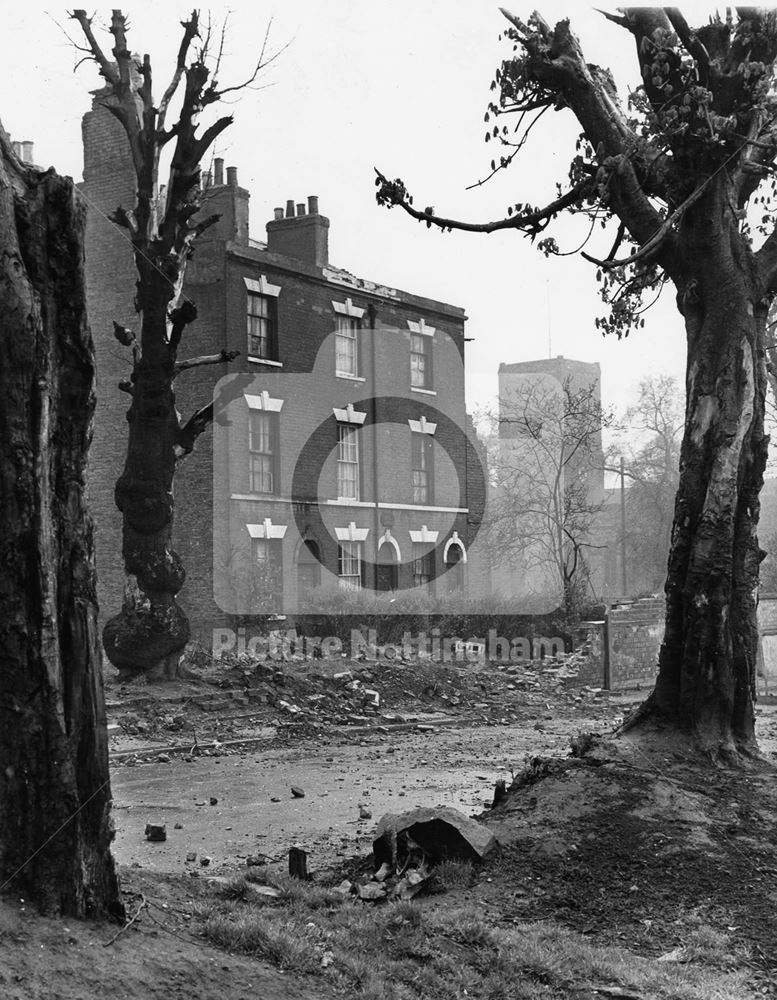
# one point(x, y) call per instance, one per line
point(545, 471)
point(151, 630)
point(650, 448)
point(769, 566)
point(675, 173)
point(55, 794)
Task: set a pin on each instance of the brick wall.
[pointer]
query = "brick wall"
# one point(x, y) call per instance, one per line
point(635, 630)
point(110, 276)
point(767, 626)
point(215, 283)
point(309, 388)
point(624, 645)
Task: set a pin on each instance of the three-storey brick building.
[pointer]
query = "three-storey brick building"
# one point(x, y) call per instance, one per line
point(339, 456)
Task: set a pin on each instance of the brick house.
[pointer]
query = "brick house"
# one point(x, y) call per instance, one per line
point(341, 456)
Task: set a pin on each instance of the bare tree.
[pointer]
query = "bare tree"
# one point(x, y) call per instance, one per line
point(55, 824)
point(545, 471)
point(151, 629)
point(675, 173)
point(650, 447)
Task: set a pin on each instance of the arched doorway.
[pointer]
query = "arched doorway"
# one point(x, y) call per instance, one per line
point(455, 560)
point(387, 567)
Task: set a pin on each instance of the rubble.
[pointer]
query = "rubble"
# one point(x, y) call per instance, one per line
point(439, 833)
point(285, 700)
point(298, 863)
point(500, 792)
point(156, 832)
point(383, 872)
point(409, 845)
point(372, 891)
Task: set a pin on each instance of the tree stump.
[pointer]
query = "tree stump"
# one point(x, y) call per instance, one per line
point(55, 795)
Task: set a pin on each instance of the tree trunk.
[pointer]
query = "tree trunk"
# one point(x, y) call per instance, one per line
point(706, 682)
point(150, 632)
point(55, 797)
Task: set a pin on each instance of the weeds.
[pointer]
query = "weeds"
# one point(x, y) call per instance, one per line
point(582, 743)
point(424, 950)
point(450, 875)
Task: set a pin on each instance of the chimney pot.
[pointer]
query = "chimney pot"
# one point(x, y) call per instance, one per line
point(27, 152)
point(313, 204)
point(299, 234)
point(232, 176)
point(17, 148)
point(218, 171)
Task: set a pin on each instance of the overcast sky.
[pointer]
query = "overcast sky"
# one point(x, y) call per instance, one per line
point(402, 85)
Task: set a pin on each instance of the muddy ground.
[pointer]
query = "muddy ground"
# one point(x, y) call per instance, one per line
point(621, 844)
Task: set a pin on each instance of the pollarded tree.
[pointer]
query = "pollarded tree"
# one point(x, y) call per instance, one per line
point(151, 629)
point(677, 172)
point(55, 795)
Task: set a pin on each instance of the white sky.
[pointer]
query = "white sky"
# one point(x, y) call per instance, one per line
point(398, 84)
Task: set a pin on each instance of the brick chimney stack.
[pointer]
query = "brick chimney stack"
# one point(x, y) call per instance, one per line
point(230, 201)
point(298, 233)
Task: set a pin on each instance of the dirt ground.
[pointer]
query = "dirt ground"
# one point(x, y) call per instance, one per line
point(622, 844)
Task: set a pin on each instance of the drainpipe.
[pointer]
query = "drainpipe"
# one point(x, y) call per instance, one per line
point(372, 316)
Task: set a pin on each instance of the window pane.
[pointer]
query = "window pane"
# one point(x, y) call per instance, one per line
point(421, 474)
point(259, 326)
point(420, 361)
point(267, 577)
point(346, 356)
point(261, 446)
point(420, 494)
point(347, 462)
point(349, 566)
point(422, 564)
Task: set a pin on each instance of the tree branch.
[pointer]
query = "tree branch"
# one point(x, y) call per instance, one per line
point(212, 94)
point(651, 247)
point(124, 335)
point(106, 67)
point(200, 228)
point(192, 429)
point(124, 219)
point(210, 135)
point(190, 31)
point(693, 45)
point(180, 317)
point(392, 193)
point(206, 359)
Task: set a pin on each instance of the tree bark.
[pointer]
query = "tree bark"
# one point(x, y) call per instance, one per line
point(706, 682)
point(151, 630)
point(55, 797)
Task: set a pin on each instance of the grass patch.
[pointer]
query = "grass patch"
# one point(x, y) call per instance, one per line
point(449, 875)
point(434, 949)
point(285, 943)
